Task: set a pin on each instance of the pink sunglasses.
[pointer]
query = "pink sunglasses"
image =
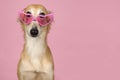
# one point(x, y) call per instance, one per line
point(43, 20)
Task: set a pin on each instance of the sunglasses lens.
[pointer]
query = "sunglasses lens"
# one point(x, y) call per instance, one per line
point(45, 20)
point(26, 18)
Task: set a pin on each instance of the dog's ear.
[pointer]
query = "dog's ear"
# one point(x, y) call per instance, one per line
point(21, 23)
point(49, 11)
point(49, 25)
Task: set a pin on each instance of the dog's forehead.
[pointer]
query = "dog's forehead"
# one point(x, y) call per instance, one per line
point(35, 9)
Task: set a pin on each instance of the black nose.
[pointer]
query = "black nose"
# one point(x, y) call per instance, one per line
point(34, 32)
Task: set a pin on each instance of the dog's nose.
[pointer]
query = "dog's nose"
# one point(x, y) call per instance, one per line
point(34, 32)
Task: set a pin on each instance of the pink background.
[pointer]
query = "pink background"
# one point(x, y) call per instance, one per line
point(84, 39)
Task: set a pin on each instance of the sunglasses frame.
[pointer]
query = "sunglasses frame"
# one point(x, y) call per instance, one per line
point(39, 19)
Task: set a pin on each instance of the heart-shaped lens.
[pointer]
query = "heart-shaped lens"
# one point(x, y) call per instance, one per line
point(45, 20)
point(26, 18)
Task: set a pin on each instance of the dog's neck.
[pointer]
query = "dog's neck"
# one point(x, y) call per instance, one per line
point(35, 46)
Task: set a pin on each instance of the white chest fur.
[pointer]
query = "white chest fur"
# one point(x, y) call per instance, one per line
point(36, 48)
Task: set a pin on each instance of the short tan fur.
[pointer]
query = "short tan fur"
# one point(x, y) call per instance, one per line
point(36, 61)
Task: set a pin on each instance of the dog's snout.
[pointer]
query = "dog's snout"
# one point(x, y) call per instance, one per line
point(34, 32)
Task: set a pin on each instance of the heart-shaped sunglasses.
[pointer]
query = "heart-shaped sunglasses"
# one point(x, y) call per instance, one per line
point(43, 20)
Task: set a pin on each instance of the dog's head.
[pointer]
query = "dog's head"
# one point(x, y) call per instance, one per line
point(35, 20)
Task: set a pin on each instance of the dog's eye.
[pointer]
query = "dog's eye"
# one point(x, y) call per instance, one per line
point(42, 13)
point(28, 12)
point(28, 15)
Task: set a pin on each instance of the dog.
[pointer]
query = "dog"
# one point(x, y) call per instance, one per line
point(36, 61)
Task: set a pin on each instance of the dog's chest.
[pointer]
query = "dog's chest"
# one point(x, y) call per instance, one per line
point(36, 51)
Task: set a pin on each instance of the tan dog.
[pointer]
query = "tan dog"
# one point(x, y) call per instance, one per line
point(36, 62)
